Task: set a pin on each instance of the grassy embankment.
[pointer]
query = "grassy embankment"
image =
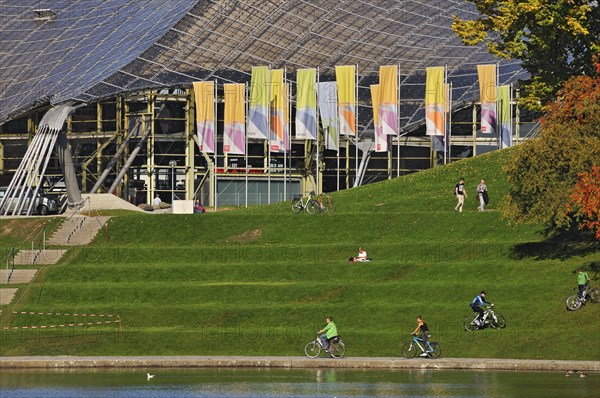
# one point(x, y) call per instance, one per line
point(260, 281)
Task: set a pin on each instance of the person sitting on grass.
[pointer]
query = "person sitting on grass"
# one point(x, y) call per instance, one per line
point(361, 258)
point(330, 332)
point(424, 329)
point(198, 208)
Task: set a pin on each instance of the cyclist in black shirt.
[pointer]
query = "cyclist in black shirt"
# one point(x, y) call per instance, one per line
point(424, 329)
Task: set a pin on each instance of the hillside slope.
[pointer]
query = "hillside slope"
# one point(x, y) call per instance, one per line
point(260, 281)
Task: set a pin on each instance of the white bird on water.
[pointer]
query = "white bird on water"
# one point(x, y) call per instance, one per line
point(149, 376)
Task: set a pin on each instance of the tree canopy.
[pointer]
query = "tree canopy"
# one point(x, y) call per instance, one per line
point(555, 39)
point(544, 172)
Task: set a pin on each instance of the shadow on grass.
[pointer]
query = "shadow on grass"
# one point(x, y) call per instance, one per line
point(558, 246)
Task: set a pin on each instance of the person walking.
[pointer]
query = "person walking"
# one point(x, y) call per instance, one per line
point(482, 194)
point(461, 194)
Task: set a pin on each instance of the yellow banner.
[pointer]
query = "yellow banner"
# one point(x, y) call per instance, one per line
point(434, 86)
point(435, 103)
point(234, 103)
point(487, 83)
point(388, 84)
point(345, 77)
point(204, 95)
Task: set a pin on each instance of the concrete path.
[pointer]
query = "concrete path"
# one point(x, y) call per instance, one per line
point(297, 362)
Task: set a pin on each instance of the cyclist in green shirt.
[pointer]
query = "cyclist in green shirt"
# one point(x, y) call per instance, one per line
point(330, 332)
point(582, 281)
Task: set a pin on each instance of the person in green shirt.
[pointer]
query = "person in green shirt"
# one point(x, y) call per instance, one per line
point(330, 332)
point(582, 281)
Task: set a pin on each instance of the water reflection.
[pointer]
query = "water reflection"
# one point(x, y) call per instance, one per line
point(305, 383)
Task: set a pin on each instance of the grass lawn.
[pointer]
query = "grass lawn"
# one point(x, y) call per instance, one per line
point(260, 281)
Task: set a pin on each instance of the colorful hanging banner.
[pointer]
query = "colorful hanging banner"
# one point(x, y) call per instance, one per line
point(276, 124)
point(434, 101)
point(504, 116)
point(204, 95)
point(388, 107)
point(306, 104)
point(328, 109)
point(258, 113)
point(286, 116)
point(346, 78)
point(381, 138)
point(487, 95)
point(234, 129)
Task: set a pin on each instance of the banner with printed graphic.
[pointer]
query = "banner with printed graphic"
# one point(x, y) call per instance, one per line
point(434, 101)
point(381, 139)
point(277, 124)
point(306, 104)
point(258, 112)
point(328, 110)
point(346, 79)
point(504, 116)
point(487, 96)
point(234, 129)
point(388, 94)
point(204, 95)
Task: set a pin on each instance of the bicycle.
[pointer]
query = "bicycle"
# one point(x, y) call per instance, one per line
point(575, 302)
point(409, 350)
point(337, 349)
point(490, 318)
point(326, 205)
point(311, 206)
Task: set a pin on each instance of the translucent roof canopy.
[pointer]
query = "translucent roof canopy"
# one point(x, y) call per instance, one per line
point(92, 49)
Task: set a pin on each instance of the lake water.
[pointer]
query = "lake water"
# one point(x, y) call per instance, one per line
point(246, 383)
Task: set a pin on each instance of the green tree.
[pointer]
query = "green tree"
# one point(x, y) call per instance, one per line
point(554, 39)
point(543, 172)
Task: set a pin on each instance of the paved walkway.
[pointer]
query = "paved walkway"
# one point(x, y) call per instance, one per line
point(297, 362)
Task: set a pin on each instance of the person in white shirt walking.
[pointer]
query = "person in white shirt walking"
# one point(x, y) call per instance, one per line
point(482, 193)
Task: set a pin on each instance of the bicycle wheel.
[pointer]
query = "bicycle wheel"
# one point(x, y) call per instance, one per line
point(469, 323)
point(312, 349)
point(297, 206)
point(573, 303)
point(497, 321)
point(337, 350)
point(331, 207)
point(312, 207)
point(436, 350)
point(409, 350)
point(595, 295)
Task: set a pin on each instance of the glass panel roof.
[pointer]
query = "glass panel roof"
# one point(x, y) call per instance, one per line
point(94, 49)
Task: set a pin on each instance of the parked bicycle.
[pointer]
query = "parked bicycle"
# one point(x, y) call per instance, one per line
point(326, 204)
point(418, 346)
point(575, 302)
point(337, 349)
point(490, 318)
point(311, 205)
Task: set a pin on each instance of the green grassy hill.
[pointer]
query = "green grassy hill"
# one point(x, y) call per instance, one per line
point(260, 281)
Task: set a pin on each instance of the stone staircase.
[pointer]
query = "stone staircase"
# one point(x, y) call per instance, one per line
point(47, 256)
point(77, 231)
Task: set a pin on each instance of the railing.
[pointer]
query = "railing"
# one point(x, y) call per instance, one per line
point(78, 222)
point(35, 255)
point(10, 259)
